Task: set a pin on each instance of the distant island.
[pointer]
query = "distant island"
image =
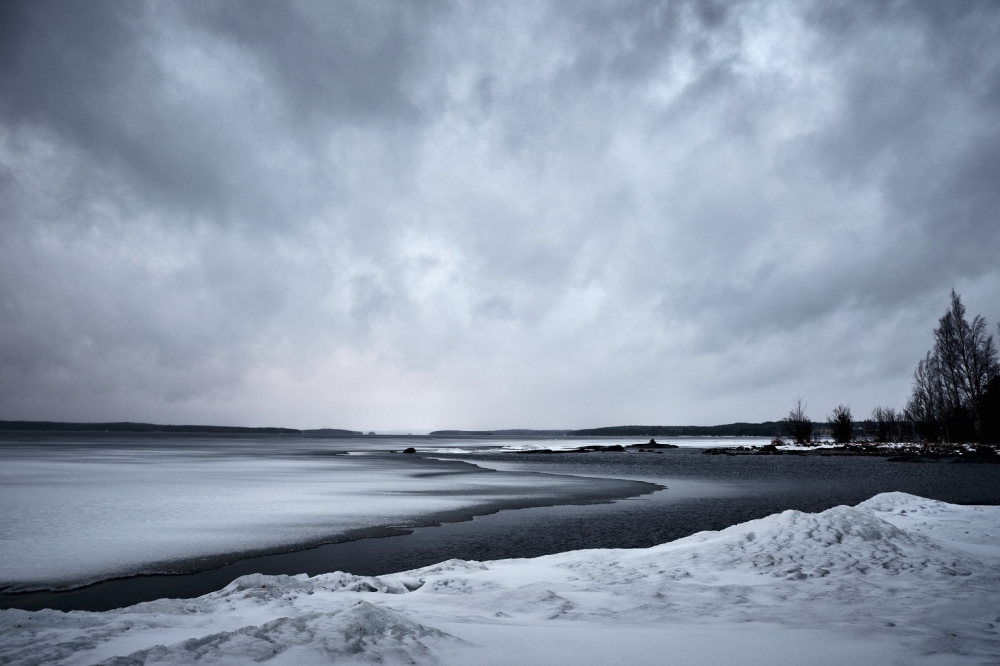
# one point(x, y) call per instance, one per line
point(765, 429)
point(57, 426)
point(509, 432)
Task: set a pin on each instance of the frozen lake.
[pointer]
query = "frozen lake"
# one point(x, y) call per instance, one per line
point(79, 509)
point(74, 510)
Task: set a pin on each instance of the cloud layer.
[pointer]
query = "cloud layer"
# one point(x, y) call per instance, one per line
point(382, 215)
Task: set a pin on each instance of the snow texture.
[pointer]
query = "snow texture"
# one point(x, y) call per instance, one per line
point(896, 580)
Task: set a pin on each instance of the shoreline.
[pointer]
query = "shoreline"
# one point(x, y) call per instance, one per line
point(977, 454)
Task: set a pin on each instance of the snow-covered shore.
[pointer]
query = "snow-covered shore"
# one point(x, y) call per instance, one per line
point(896, 580)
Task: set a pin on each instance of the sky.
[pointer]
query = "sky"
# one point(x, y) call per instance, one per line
point(396, 215)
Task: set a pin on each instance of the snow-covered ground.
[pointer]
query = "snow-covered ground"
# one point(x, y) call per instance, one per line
point(493, 445)
point(896, 580)
point(77, 513)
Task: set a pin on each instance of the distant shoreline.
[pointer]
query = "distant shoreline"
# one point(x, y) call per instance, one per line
point(740, 429)
point(130, 427)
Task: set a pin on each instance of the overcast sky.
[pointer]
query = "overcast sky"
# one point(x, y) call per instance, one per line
point(481, 215)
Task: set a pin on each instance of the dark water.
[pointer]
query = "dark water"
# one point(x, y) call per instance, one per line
point(703, 493)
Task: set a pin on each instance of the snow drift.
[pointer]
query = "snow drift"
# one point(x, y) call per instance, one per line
point(896, 579)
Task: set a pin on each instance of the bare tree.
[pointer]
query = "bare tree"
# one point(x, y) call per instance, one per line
point(885, 425)
point(841, 425)
point(797, 424)
point(925, 408)
point(950, 384)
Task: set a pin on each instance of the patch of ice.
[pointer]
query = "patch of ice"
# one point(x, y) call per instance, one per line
point(76, 515)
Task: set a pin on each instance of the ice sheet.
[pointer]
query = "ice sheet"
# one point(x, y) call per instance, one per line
point(891, 581)
point(72, 514)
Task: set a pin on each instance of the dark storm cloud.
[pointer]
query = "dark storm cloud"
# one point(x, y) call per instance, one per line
point(105, 77)
point(456, 214)
point(348, 61)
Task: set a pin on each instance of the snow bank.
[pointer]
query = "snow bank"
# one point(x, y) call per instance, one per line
point(896, 580)
point(350, 634)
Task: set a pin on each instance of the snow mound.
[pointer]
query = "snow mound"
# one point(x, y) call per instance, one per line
point(897, 502)
point(261, 586)
point(448, 566)
point(362, 633)
point(796, 545)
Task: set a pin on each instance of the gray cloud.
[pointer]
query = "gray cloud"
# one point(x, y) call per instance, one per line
point(459, 215)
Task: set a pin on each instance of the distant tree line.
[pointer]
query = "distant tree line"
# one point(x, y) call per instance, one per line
point(509, 432)
point(127, 427)
point(765, 429)
point(955, 396)
point(885, 425)
point(56, 426)
point(741, 429)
